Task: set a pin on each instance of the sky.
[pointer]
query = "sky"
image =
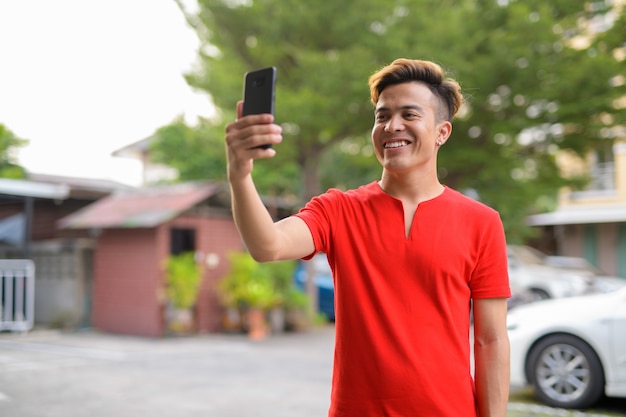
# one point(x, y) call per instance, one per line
point(80, 79)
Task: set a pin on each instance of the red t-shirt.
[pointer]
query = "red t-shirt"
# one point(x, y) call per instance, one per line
point(402, 304)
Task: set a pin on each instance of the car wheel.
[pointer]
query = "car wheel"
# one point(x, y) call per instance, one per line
point(538, 295)
point(565, 372)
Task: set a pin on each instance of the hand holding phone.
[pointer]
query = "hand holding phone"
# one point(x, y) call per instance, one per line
point(259, 92)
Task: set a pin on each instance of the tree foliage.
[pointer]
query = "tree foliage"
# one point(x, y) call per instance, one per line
point(530, 92)
point(198, 151)
point(8, 143)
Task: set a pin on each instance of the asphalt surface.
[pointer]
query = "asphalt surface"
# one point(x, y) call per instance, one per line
point(88, 374)
point(51, 373)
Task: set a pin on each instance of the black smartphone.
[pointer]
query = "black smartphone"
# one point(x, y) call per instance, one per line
point(259, 92)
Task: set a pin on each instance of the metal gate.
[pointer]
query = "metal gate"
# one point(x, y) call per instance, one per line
point(17, 294)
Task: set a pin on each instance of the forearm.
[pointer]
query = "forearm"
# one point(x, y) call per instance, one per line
point(492, 377)
point(254, 222)
point(265, 239)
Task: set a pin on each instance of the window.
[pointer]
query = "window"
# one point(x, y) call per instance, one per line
point(182, 240)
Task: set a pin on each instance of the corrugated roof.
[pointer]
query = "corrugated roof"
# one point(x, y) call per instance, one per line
point(614, 213)
point(80, 187)
point(143, 207)
point(25, 188)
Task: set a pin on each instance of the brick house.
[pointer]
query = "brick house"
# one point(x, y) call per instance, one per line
point(134, 234)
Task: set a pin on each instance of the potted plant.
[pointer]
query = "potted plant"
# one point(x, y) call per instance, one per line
point(182, 276)
point(249, 289)
point(295, 308)
point(290, 312)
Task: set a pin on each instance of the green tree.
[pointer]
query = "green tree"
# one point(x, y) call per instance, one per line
point(8, 143)
point(530, 92)
point(196, 152)
point(321, 95)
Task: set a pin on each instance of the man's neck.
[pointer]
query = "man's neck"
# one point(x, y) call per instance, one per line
point(411, 188)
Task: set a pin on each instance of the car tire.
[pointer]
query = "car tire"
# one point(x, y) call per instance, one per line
point(537, 294)
point(565, 372)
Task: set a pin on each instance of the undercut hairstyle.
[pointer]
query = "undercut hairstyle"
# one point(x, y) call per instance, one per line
point(402, 70)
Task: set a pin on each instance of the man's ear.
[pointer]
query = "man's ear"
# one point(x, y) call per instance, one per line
point(444, 129)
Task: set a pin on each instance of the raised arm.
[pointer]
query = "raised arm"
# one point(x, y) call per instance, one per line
point(266, 240)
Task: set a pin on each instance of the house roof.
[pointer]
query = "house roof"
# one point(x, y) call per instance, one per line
point(79, 187)
point(136, 149)
point(24, 188)
point(142, 207)
point(614, 213)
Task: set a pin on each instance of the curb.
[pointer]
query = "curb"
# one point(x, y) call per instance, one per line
point(534, 410)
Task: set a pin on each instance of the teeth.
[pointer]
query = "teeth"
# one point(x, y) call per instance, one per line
point(396, 144)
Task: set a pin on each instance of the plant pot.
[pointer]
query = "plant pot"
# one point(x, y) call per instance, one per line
point(181, 320)
point(257, 328)
point(277, 320)
point(296, 319)
point(233, 320)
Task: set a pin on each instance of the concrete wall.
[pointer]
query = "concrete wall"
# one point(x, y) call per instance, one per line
point(63, 272)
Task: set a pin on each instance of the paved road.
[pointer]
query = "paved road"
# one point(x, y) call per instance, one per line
point(48, 373)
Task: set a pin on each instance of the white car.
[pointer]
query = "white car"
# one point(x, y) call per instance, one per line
point(530, 273)
point(571, 350)
point(601, 282)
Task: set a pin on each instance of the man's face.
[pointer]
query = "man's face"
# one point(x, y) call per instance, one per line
point(406, 129)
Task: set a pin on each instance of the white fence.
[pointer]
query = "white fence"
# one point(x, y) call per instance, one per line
point(17, 294)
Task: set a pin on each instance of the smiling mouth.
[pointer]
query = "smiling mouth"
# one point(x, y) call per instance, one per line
point(396, 144)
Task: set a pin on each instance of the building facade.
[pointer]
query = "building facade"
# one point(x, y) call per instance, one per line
point(591, 223)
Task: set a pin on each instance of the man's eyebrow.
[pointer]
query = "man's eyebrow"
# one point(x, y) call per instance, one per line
point(415, 107)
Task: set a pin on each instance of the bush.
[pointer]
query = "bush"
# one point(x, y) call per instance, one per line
point(250, 284)
point(183, 277)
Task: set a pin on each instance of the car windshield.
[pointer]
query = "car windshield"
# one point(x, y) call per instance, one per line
point(528, 255)
point(580, 264)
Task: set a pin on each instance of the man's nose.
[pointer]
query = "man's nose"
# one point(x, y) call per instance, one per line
point(394, 124)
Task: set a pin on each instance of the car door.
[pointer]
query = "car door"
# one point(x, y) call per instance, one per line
point(618, 338)
point(517, 276)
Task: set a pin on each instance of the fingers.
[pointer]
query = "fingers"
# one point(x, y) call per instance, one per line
point(239, 109)
point(245, 136)
point(252, 131)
